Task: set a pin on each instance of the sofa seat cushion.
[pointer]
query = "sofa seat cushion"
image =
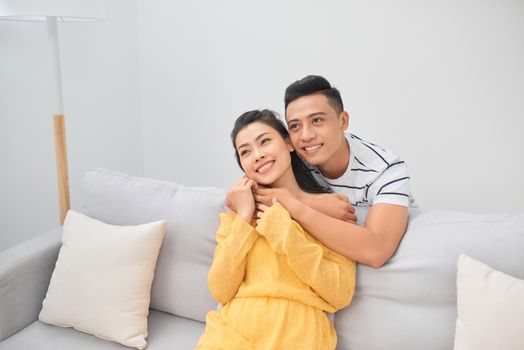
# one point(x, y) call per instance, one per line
point(166, 331)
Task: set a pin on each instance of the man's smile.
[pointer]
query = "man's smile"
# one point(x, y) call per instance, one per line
point(312, 149)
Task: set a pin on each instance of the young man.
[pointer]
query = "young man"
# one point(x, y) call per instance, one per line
point(368, 174)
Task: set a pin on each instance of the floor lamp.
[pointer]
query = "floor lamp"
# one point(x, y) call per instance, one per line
point(53, 12)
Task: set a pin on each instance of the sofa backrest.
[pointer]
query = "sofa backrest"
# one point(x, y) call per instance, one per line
point(410, 303)
point(180, 284)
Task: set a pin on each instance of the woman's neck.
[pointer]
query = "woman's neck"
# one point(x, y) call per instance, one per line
point(288, 180)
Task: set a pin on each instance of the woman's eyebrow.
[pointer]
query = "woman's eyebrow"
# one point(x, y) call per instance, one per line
point(258, 138)
point(262, 135)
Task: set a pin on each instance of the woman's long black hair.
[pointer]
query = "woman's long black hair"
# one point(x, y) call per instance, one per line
point(303, 175)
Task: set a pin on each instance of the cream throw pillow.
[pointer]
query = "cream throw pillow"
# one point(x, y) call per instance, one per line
point(490, 307)
point(102, 279)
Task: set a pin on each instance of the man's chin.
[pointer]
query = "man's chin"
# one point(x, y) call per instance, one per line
point(312, 159)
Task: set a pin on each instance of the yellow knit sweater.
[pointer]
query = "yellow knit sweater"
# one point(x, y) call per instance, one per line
point(273, 262)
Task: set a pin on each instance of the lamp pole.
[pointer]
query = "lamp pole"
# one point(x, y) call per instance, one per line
point(59, 124)
point(54, 11)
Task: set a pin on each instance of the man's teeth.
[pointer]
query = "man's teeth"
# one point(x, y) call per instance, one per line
point(312, 148)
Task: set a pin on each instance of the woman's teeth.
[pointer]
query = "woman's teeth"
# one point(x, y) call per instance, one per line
point(265, 167)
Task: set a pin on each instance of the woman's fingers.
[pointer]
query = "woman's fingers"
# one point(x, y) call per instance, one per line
point(262, 207)
point(247, 182)
point(242, 181)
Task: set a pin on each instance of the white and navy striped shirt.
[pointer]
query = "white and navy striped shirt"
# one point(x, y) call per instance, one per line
point(374, 175)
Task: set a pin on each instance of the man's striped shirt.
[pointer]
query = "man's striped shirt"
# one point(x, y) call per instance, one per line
point(374, 175)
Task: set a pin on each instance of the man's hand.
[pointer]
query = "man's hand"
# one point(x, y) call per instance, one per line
point(333, 204)
point(264, 195)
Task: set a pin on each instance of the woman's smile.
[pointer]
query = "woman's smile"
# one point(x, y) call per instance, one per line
point(265, 167)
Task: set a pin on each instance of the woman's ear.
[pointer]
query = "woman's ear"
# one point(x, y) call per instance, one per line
point(289, 145)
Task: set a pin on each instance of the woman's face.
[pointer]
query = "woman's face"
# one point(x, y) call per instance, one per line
point(264, 154)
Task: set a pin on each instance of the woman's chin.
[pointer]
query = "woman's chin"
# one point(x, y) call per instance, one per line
point(265, 181)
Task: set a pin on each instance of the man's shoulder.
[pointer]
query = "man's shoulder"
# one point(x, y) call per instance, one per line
point(370, 156)
point(387, 179)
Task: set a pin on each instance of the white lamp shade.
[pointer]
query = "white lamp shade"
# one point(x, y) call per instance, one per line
point(63, 10)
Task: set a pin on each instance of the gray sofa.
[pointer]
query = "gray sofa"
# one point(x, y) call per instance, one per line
point(410, 303)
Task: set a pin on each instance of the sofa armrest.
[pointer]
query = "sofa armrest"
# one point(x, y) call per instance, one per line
point(25, 272)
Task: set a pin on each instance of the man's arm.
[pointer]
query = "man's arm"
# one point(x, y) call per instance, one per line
point(332, 204)
point(372, 245)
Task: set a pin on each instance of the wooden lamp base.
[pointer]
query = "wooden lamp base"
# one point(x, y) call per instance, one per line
point(61, 166)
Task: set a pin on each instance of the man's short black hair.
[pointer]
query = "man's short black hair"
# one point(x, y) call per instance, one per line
point(314, 84)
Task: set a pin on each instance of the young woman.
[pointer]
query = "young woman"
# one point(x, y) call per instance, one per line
point(273, 280)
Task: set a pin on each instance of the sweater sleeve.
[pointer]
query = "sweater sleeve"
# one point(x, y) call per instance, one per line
point(235, 238)
point(329, 274)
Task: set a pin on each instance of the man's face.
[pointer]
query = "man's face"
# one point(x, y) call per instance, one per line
point(316, 130)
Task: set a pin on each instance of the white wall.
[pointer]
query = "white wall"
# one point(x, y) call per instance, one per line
point(27, 182)
point(101, 105)
point(440, 83)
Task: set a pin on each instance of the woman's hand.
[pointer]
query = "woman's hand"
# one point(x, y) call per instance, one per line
point(240, 198)
point(261, 209)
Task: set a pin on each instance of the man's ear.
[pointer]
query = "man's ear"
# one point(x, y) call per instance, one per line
point(344, 120)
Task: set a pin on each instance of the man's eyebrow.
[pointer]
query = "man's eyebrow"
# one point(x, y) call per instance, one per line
point(258, 138)
point(308, 117)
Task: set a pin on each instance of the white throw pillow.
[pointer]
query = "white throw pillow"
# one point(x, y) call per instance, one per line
point(102, 279)
point(490, 306)
point(192, 214)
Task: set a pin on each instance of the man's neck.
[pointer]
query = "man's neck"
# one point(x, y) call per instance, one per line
point(337, 165)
